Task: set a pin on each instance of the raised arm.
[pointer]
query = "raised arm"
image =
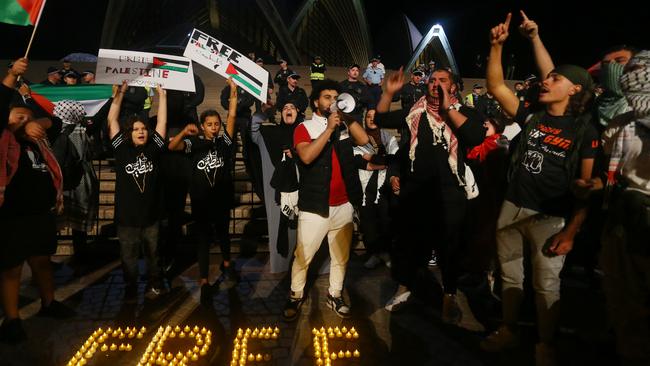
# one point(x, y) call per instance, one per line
point(161, 125)
point(494, 75)
point(114, 112)
point(309, 151)
point(530, 30)
point(358, 133)
point(232, 109)
point(394, 84)
point(178, 142)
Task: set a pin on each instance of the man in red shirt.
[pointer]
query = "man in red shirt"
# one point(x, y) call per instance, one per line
point(329, 187)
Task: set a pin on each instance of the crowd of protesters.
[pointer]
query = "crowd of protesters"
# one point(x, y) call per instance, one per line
point(450, 182)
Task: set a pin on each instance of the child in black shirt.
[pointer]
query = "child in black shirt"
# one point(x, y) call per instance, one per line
point(211, 187)
point(137, 190)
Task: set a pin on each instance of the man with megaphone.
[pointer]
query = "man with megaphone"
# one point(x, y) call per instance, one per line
point(433, 183)
point(329, 187)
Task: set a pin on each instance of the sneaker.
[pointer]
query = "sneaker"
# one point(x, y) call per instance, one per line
point(545, 355)
point(499, 340)
point(434, 259)
point(12, 332)
point(339, 306)
point(292, 308)
point(451, 313)
point(396, 302)
point(154, 292)
point(386, 258)
point(56, 310)
point(372, 262)
point(229, 277)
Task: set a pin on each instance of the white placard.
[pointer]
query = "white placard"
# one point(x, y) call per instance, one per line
point(228, 62)
point(144, 69)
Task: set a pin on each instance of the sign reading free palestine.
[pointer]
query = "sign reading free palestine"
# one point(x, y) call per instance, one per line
point(144, 69)
point(228, 62)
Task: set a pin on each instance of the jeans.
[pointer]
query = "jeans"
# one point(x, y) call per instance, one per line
point(132, 240)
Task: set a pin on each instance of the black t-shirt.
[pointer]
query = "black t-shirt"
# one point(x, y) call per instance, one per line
point(137, 192)
point(31, 190)
point(211, 164)
point(542, 182)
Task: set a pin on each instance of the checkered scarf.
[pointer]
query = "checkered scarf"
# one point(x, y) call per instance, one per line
point(635, 84)
point(442, 134)
point(70, 111)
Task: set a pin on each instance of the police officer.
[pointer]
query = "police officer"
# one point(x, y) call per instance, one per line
point(359, 90)
point(413, 90)
point(292, 93)
point(317, 71)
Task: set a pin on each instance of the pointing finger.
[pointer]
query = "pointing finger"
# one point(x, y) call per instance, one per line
point(508, 17)
point(523, 15)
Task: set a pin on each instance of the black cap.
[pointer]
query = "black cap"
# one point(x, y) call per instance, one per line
point(52, 69)
point(477, 86)
point(530, 77)
point(317, 58)
point(86, 72)
point(259, 59)
point(417, 72)
point(66, 60)
point(353, 66)
point(376, 58)
point(294, 76)
point(71, 74)
point(282, 61)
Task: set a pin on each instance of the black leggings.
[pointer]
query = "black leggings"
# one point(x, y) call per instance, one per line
point(429, 219)
point(204, 236)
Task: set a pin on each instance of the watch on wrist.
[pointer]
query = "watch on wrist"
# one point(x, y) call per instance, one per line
point(454, 107)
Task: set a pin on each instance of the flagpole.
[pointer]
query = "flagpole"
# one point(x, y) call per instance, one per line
point(38, 19)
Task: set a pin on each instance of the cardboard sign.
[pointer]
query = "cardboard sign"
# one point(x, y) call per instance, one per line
point(144, 69)
point(228, 62)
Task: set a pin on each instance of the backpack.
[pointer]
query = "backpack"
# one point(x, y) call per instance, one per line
point(68, 158)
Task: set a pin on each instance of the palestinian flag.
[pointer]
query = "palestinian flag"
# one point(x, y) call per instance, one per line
point(21, 12)
point(169, 64)
point(245, 78)
point(92, 96)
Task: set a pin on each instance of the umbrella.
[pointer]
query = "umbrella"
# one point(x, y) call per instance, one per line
point(80, 57)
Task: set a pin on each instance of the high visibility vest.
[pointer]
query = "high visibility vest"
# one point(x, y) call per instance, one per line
point(317, 72)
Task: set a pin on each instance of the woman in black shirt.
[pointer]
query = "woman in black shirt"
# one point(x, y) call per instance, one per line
point(211, 187)
point(137, 194)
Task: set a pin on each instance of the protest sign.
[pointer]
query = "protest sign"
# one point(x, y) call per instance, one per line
point(144, 69)
point(228, 62)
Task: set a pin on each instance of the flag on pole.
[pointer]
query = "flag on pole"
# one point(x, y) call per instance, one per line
point(21, 12)
point(92, 96)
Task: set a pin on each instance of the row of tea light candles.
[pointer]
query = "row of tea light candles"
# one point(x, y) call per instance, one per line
point(240, 353)
point(154, 354)
point(321, 350)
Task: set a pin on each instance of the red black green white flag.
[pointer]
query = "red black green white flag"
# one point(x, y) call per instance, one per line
point(92, 96)
point(21, 12)
point(169, 64)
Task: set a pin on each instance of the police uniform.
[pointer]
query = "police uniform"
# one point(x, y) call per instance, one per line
point(410, 93)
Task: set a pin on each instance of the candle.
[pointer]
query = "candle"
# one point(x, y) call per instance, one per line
point(356, 353)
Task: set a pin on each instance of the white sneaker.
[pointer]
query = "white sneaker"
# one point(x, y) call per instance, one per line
point(372, 262)
point(397, 301)
point(434, 259)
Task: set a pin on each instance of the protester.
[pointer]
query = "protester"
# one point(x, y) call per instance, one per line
point(328, 189)
point(31, 196)
point(556, 146)
point(431, 173)
point(137, 191)
point(279, 168)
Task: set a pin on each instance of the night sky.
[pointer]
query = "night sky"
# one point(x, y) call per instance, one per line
point(573, 31)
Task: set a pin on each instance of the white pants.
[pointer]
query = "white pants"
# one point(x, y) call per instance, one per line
point(312, 228)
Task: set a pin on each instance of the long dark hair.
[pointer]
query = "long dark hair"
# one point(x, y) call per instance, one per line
point(128, 123)
point(580, 103)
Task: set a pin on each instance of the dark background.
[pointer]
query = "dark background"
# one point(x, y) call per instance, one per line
point(573, 31)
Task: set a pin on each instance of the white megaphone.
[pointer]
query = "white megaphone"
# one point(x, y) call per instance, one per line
point(344, 103)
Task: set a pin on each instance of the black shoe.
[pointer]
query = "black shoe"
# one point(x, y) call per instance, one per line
point(12, 332)
point(56, 310)
point(229, 277)
point(339, 306)
point(131, 294)
point(206, 294)
point(292, 309)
